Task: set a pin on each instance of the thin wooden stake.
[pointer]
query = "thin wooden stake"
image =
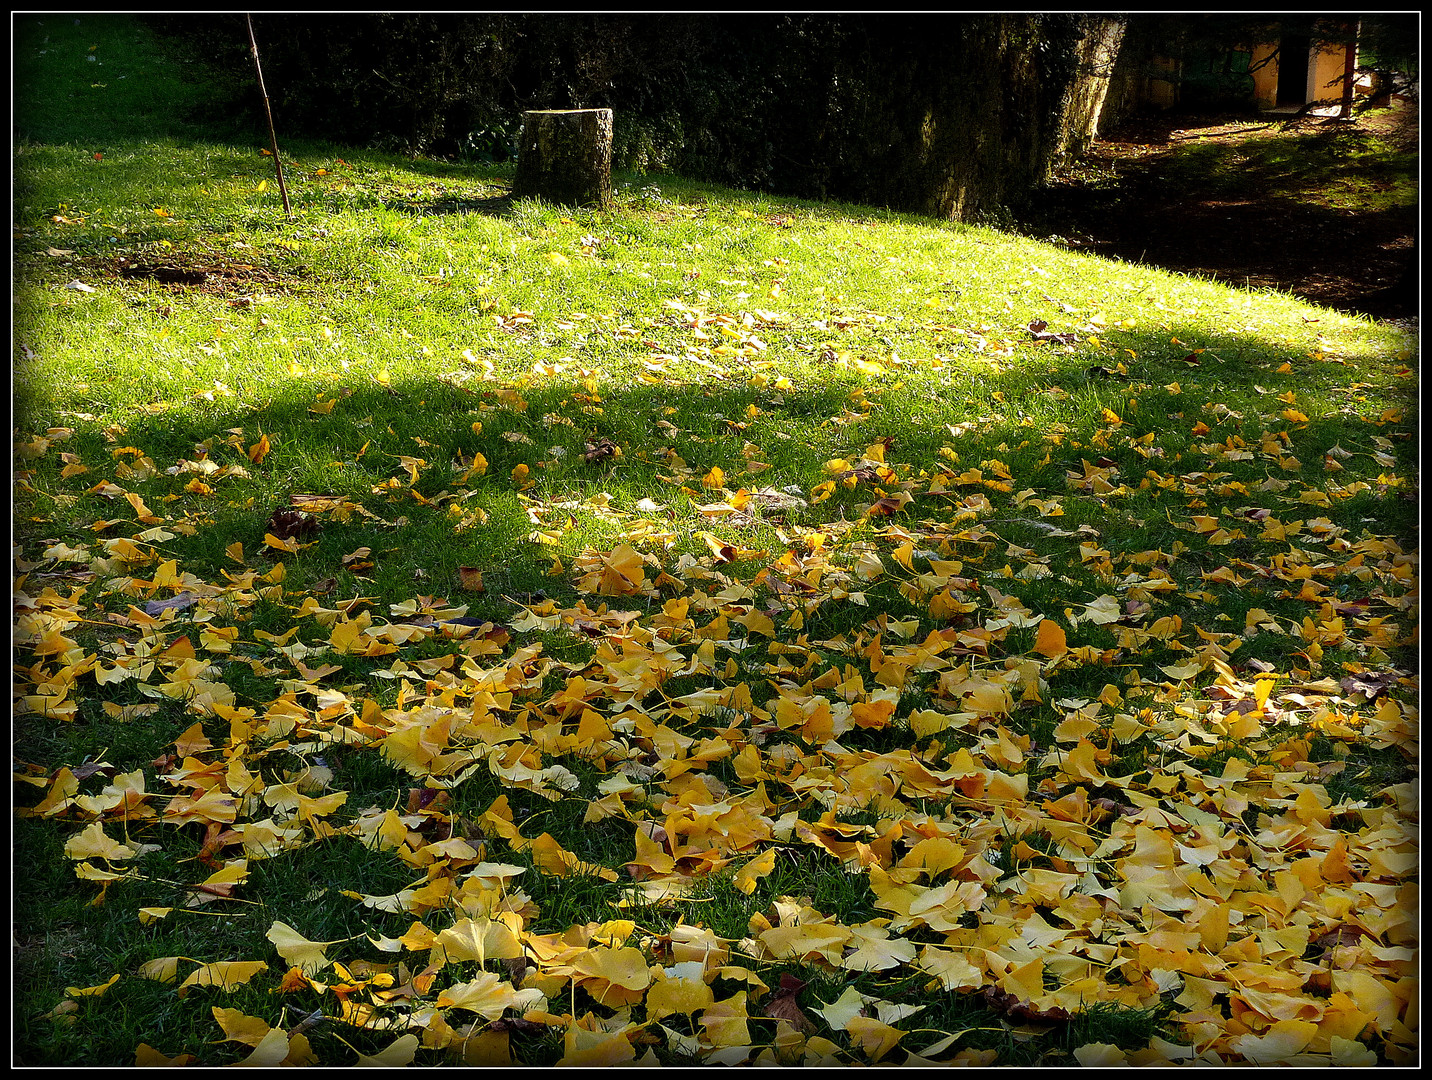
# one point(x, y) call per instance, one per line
point(273, 136)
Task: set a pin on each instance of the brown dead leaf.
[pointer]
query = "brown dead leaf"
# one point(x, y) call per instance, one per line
point(1022, 1012)
point(598, 450)
point(783, 1006)
point(287, 524)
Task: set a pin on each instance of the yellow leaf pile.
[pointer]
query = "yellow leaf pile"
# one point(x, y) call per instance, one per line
point(1217, 878)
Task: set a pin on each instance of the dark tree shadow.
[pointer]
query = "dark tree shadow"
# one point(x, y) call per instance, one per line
point(492, 206)
point(1237, 211)
point(433, 407)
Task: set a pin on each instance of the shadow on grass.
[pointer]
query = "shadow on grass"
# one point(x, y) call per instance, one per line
point(495, 206)
point(427, 524)
point(1330, 215)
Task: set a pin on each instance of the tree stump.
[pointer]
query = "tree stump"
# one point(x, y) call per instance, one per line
point(565, 157)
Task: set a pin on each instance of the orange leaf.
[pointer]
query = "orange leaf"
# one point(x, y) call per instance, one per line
point(143, 512)
point(1051, 640)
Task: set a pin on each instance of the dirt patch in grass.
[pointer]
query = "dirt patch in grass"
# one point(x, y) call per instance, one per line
point(172, 273)
point(202, 273)
point(1324, 209)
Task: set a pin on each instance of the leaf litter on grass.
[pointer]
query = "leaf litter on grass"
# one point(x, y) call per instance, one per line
point(1061, 787)
point(882, 697)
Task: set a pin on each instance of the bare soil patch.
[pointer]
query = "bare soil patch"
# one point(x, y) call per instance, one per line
point(219, 277)
point(172, 273)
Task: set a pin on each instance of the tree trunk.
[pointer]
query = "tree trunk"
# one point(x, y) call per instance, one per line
point(1097, 53)
point(1349, 76)
point(565, 157)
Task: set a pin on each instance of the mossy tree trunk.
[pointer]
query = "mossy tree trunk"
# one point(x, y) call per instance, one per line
point(565, 157)
point(957, 116)
point(1096, 54)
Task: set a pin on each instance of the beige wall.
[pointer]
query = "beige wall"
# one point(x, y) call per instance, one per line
point(1265, 78)
point(1324, 67)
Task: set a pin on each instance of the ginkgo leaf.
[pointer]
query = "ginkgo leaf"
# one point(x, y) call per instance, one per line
point(809, 940)
point(269, 1052)
point(873, 1036)
point(397, 1054)
point(620, 572)
point(625, 967)
point(241, 1028)
point(222, 882)
point(1282, 1041)
point(747, 878)
point(1351, 1054)
point(161, 969)
point(869, 567)
point(141, 510)
point(1103, 610)
point(725, 1023)
point(94, 843)
point(92, 991)
point(1100, 1055)
point(487, 995)
point(145, 1056)
point(1183, 671)
point(297, 949)
point(839, 1013)
point(1050, 639)
point(477, 939)
point(226, 975)
point(685, 996)
point(951, 966)
point(595, 1049)
point(872, 948)
point(192, 741)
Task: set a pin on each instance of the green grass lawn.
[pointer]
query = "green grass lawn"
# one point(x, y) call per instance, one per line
point(726, 628)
